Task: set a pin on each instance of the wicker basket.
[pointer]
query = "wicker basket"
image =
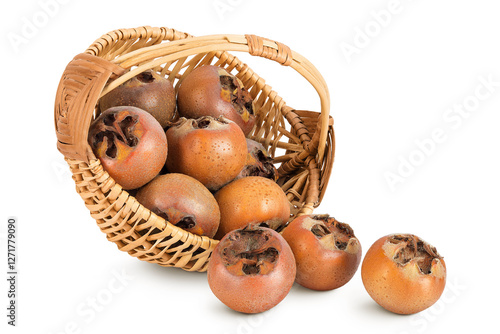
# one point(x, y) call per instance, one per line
point(304, 138)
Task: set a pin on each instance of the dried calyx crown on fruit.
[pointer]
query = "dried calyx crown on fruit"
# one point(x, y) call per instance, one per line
point(406, 249)
point(250, 251)
point(114, 131)
point(259, 162)
point(234, 92)
point(334, 234)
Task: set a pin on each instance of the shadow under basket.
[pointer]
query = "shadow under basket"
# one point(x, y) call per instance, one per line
point(300, 142)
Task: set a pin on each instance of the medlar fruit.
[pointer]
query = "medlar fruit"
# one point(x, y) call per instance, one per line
point(251, 270)
point(403, 273)
point(326, 251)
point(148, 91)
point(259, 163)
point(130, 144)
point(212, 91)
point(249, 200)
point(183, 201)
point(212, 150)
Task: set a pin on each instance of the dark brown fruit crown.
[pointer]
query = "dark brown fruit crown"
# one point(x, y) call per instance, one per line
point(334, 234)
point(234, 92)
point(110, 130)
point(252, 250)
point(412, 247)
point(259, 163)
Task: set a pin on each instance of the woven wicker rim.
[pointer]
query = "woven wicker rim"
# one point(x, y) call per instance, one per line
point(121, 54)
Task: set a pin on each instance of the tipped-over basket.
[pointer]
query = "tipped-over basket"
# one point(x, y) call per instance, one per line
point(305, 139)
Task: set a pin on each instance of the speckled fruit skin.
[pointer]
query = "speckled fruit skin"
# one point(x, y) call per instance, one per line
point(148, 91)
point(213, 151)
point(182, 200)
point(320, 264)
point(141, 150)
point(202, 94)
point(249, 200)
point(256, 292)
point(400, 289)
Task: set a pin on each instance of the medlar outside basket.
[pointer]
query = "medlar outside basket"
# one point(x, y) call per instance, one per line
point(306, 138)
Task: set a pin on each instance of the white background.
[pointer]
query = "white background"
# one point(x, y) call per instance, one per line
point(396, 90)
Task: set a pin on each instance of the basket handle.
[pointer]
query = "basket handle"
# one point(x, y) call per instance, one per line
point(254, 45)
point(76, 98)
point(85, 78)
point(279, 52)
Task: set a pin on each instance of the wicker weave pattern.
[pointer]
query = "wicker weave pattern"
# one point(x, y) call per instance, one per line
point(306, 137)
point(80, 85)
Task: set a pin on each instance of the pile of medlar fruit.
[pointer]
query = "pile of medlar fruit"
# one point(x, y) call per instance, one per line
point(188, 159)
point(177, 153)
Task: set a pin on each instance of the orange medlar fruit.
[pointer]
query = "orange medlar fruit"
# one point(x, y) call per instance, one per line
point(252, 269)
point(148, 91)
point(403, 273)
point(130, 143)
point(212, 150)
point(249, 200)
point(183, 201)
point(211, 91)
point(326, 251)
